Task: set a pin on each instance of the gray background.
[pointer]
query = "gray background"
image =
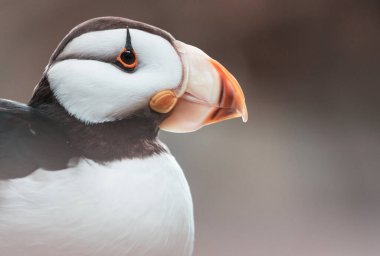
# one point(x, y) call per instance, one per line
point(302, 176)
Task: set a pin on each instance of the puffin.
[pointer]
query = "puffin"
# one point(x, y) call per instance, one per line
point(82, 170)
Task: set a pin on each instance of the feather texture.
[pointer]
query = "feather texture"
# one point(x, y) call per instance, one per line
point(128, 207)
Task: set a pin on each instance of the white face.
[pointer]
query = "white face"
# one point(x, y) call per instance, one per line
point(92, 88)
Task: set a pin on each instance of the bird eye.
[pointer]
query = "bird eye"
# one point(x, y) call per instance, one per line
point(127, 60)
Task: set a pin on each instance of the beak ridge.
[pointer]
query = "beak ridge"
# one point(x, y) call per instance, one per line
point(231, 100)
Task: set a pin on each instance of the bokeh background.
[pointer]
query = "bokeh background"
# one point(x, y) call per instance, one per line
point(302, 177)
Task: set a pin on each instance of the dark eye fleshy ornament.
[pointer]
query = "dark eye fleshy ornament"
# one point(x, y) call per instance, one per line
point(127, 59)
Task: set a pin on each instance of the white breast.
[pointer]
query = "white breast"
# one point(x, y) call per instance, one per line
point(129, 207)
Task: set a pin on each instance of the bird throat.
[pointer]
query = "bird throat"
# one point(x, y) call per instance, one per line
point(132, 137)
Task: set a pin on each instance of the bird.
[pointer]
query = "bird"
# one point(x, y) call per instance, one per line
point(82, 168)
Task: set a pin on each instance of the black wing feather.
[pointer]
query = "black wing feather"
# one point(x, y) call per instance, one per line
point(29, 140)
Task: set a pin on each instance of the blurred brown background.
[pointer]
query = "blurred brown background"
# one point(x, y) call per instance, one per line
point(302, 177)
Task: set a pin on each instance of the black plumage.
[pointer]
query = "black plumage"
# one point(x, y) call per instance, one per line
point(29, 140)
point(44, 135)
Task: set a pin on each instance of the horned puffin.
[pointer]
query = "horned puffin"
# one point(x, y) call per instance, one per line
point(82, 171)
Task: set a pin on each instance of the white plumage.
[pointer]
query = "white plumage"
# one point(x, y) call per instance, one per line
point(97, 91)
point(129, 207)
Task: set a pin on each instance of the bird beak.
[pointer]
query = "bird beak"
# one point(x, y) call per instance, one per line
point(208, 94)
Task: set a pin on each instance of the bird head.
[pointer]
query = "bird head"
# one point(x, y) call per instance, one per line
point(108, 69)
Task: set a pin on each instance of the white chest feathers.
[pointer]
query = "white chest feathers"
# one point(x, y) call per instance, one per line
point(130, 207)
